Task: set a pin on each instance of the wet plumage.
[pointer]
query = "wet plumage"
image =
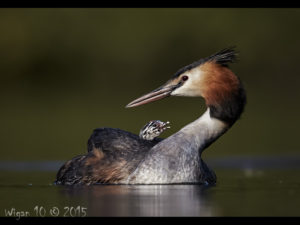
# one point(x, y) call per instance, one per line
point(112, 155)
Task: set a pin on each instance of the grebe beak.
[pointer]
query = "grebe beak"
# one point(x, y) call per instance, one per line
point(159, 93)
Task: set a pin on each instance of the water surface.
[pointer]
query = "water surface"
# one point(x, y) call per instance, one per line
point(246, 191)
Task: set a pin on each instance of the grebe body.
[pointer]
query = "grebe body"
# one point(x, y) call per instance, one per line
point(120, 157)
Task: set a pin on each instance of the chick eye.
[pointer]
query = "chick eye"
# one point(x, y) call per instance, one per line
point(184, 78)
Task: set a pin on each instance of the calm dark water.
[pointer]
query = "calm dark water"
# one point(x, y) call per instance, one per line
point(251, 188)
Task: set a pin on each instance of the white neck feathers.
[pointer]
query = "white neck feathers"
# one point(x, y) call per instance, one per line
point(204, 130)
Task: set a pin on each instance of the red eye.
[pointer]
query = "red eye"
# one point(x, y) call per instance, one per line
point(184, 78)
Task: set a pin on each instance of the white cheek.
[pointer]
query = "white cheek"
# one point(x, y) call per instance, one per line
point(191, 86)
point(184, 90)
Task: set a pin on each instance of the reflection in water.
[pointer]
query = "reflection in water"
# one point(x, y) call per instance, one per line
point(246, 187)
point(247, 192)
point(144, 200)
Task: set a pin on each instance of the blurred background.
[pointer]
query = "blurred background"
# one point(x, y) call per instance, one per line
point(64, 72)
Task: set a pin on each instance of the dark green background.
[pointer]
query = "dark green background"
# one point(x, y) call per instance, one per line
point(64, 72)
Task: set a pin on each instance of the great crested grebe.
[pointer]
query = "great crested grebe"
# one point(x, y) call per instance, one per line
point(120, 157)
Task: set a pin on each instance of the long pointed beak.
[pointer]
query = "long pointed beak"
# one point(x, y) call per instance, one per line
point(159, 93)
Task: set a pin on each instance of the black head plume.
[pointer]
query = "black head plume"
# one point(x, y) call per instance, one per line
point(223, 57)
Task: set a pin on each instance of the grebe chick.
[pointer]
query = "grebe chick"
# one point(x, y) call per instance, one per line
point(120, 157)
point(153, 129)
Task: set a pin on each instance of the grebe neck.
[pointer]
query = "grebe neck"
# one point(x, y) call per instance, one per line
point(204, 131)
